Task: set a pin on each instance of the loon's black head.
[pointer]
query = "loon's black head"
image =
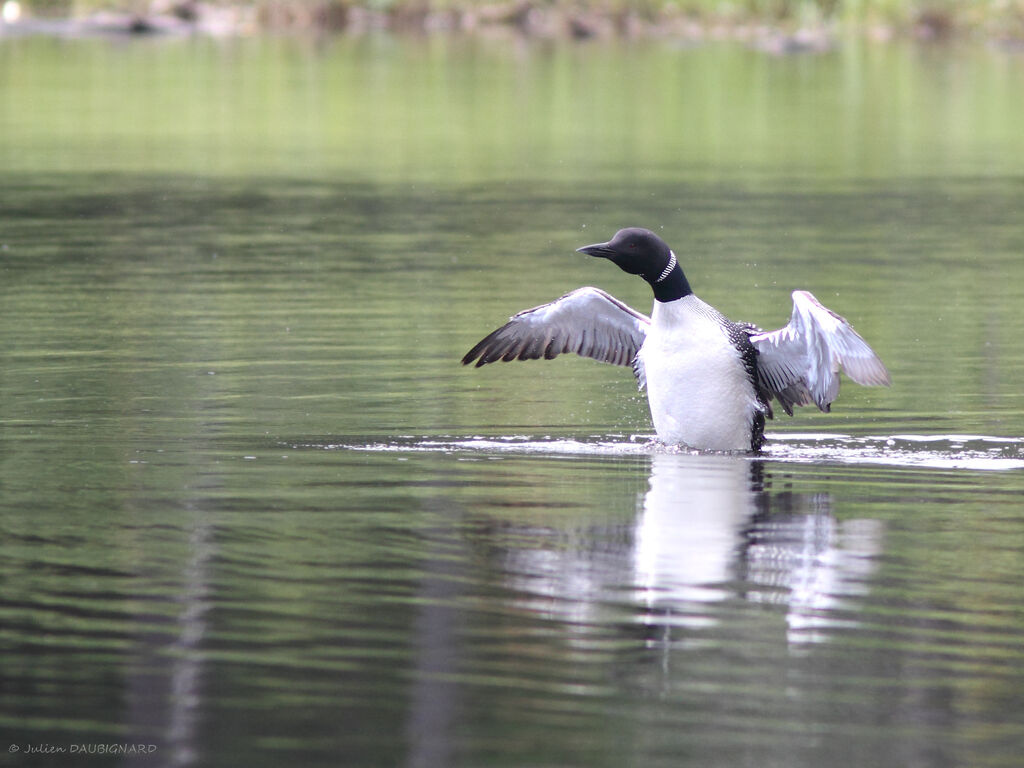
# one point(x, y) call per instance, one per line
point(641, 252)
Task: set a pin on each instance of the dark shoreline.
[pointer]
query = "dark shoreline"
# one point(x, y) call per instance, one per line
point(526, 18)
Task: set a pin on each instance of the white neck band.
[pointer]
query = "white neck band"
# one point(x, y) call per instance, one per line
point(668, 267)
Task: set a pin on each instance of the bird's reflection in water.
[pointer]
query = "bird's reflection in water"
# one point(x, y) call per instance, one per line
point(798, 554)
point(708, 530)
point(689, 527)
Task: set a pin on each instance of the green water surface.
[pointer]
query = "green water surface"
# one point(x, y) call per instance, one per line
point(254, 512)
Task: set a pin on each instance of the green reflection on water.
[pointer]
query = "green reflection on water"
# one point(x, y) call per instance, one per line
point(468, 110)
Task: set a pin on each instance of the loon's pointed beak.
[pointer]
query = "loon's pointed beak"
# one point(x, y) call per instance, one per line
point(597, 249)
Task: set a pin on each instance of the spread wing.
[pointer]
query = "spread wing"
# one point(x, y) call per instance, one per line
point(587, 321)
point(800, 364)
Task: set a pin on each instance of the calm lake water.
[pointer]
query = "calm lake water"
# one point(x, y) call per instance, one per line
point(253, 511)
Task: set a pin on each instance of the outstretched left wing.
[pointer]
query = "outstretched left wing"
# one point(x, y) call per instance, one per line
point(800, 363)
point(587, 321)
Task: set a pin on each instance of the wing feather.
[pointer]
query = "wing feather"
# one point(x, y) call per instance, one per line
point(800, 363)
point(587, 321)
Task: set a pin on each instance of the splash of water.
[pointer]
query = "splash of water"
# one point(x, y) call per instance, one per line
point(971, 452)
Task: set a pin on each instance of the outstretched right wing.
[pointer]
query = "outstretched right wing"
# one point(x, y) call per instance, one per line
point(587, 321)
point(800, 363)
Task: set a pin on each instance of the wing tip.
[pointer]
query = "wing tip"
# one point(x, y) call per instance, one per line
point(473, 354)
point(876, 376)
point(483, 351)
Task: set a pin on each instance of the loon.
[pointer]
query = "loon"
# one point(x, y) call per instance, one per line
point(709, 381)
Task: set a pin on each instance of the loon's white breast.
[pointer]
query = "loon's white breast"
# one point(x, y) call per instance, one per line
point(698, 389)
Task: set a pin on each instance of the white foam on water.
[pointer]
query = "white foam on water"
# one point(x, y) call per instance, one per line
point(970, 452)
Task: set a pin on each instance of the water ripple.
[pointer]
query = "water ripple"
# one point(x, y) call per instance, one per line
point(972, 452)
